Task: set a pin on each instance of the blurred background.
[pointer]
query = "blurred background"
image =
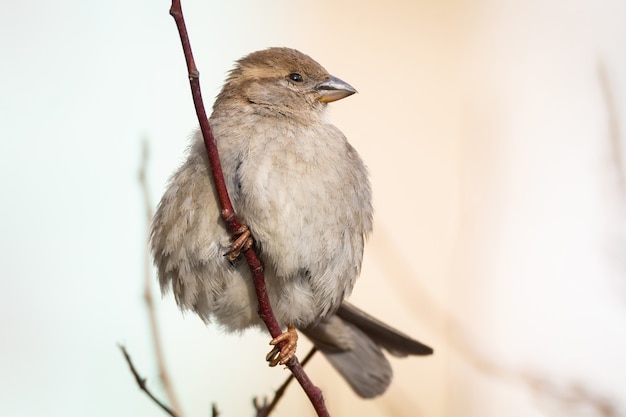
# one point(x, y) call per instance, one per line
point(494, 135)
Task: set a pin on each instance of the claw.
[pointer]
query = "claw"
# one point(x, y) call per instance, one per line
point(282, 355)
point(241, 244)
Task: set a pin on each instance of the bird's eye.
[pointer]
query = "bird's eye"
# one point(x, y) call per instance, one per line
point(295, 77)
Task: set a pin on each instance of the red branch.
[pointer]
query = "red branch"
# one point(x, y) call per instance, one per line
point(228, 213)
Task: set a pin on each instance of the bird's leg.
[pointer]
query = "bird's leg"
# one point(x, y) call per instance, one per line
point(282, 355)
point(241, 244)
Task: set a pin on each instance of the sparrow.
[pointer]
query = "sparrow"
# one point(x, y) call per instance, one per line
point(304, 194)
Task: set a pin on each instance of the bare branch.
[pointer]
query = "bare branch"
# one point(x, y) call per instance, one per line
point(142, 384)
point(228, 213)
point(264, 410)
point(147, 292)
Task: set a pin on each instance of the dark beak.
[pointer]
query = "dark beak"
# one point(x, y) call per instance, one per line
point(333, 89)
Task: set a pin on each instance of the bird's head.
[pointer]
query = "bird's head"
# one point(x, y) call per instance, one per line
point(283, 80)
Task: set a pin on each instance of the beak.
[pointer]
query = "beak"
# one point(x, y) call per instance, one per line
point(333, 89)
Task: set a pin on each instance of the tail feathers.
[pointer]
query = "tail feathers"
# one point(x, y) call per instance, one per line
point(358, 359)
point(394, 341)
point(352, 341)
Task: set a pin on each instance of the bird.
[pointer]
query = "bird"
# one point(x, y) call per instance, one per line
point(303, 192)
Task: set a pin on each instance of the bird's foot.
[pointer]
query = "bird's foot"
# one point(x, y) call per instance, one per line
point(282, 355)
point(242, 243)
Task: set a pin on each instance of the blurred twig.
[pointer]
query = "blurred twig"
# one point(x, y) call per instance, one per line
point(141, 381)
point(568, 397)
point(147, 294)
point(617, 150)
point(571, 398)
point(613, 124)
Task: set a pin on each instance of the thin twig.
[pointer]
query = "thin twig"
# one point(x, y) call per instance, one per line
point(264, 410)
point(147, 294)
point(228, 213)
point(560, 394)
point(571, 398)
point(142, 384)
point(615, 134)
